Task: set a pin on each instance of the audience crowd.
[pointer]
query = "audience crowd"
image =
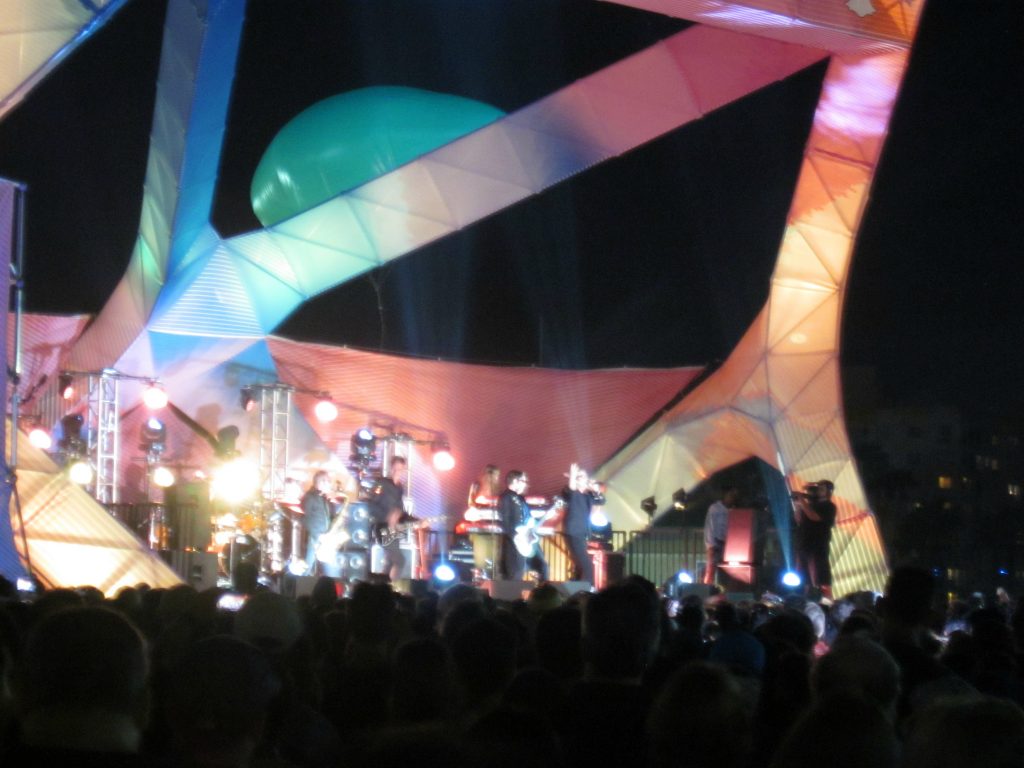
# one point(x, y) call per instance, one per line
point(623, 677)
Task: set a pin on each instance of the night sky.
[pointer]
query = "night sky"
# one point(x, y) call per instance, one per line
point(658, 258)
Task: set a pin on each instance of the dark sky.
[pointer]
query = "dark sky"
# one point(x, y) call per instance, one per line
point(657, 258)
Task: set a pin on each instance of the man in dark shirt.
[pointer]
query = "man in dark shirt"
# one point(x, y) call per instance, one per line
point(514, 513)
point(580, 497)
point(815, 514)
point(317, 517)
point(388, 511)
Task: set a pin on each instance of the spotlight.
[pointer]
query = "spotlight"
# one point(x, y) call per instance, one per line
point(444, 573)
point(676, 586)
point(40, 438)
point(162, 476)
point(443, 459)
point(325, 410)
point(153, 435)
point(649, 505)
point(684, 577)
point(791, 579)
point(364, 446)
point(154, 397)
point(247, 399)
point(679, 499)
point(80, 472)
point(66, 385)
point(600, 534)
point(71, 440)
point(226, 439)
point(235, 481)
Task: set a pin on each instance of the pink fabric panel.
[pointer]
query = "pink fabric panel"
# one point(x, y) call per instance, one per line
point(538, 420)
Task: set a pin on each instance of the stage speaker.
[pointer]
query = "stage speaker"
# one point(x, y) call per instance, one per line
point(507, 589)
point(357, 524)
point(197, 569)
point(377, 554)
point(354, 564)
point(189, 507)
point(609, 567)
point(570, 588)
point(739, 537)
point(735, 577)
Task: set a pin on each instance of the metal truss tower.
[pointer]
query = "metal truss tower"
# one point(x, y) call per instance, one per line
point(103, 425)
point(275, 402)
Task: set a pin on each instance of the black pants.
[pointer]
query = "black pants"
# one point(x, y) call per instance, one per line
point(514, 565)
point(583, 566)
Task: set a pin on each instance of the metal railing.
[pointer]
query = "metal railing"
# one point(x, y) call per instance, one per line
point(656, 554)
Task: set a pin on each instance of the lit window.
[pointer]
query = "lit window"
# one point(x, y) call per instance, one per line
point(1013, 489)
point(945, 482)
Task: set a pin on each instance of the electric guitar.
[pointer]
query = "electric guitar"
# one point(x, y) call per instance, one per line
point(527, 535)
point(333, 538)
point(386, 536)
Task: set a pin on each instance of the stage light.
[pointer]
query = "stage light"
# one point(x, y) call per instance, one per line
point(226, 439)
point(791, 579)
point(649, 505)
point(443, 459)
point(679, 499)
point(162, 476)
point(66, 385)
point(444, 573)
point(325, 410)
point(154, 397)
point(80, 472)
point(71, 440)
point(153, 435)
point(684, 577)
point(235, 481)
point(600, 533)
point(40, 438)
point(247, 398)
point(364, 446)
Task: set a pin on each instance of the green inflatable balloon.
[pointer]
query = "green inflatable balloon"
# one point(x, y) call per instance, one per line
point(349, 139)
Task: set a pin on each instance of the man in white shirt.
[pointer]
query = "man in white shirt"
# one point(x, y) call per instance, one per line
point(716, 525)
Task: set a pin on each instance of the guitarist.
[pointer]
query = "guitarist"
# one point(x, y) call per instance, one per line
point(387, 508)
point(317, 513)
point(514, 512)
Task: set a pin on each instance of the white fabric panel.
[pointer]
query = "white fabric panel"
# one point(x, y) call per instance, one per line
point(72, 539)
point(828, 24)
point(36, 35)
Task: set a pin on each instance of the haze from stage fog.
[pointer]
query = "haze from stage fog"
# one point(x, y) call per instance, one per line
point(658, 258)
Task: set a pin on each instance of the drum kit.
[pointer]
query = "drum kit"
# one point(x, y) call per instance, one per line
point(268, 535)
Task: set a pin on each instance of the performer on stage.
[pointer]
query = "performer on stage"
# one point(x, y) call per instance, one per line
point(580, 497)
point(317, 514)
point(387, 509)
point(487, 486)
point(514, 512)
point(716, 525)
point(815, 514)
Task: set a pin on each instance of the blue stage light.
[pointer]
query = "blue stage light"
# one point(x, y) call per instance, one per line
point(791, 579)
point(444, 573)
